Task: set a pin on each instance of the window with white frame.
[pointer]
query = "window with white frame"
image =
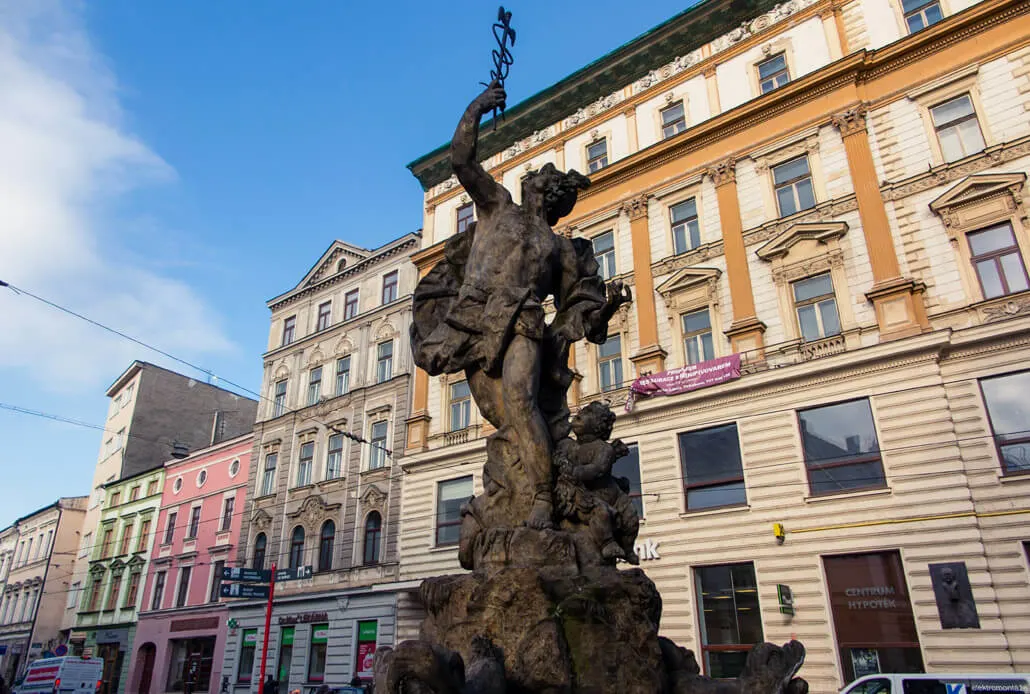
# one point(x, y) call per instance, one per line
point(686, 233)
point(997, 261)
point(792, 182)
point(450, 497)
point(604, 253)
point(268, 474)
point(597, 155)
point(773, 72)
point(673, 119)
point(325, 312)
point(384, 361)
point(334, 459)
point(816, 307)
point(697, 337)
point(609, 363)
point(920, 14)
point(461, 405)
point(342, 375)
point(377, 456)
point(305, 463)
point(957, 128)
point(314, 385)
point(279, 399)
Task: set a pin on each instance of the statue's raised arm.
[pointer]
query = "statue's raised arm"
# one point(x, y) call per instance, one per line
point(483, 190)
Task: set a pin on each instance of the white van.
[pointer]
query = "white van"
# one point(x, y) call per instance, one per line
point(64, 675)
point(938, 683)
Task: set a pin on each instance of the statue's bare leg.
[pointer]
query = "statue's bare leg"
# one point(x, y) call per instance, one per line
point(521, 384)
point(487, 392)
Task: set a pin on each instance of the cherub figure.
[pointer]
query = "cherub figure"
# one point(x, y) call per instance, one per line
point(586, 491)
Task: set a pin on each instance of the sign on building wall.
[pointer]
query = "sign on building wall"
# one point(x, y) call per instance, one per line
point(685, 379)
point(367, 633)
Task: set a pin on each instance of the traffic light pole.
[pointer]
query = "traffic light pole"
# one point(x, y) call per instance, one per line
point(268, 626)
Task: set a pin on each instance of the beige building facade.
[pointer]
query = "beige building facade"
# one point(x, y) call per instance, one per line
point(832, 192)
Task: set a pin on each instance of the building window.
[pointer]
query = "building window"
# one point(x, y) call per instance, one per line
point(325, 546)
point(248, 647)
point(673, 119)
point(228, 506)
point(384, 361)
point(116, 498)
point(279, 402)
point(170, 527)
point(841, 449)
point(325, 315)
point(268, 476)
point(816, 307)
point(216, 581)
point(159, 590)
point(306, 462)
point(297, 548)
point(194, 523)
point(144, 536)
point(260, 543)
point(957, 128)
point(920, 14)
point(377, 456)
point(112, 595)
point(334, 459)
point(389, 287)
point(465, 217)
point(792, 181)
point(697, 337)
point(451, 496)
point(317, 657)
point(773, 73)
point(289, 328)
point(712, 471)
point(342, 375)
point(731, 623)
point(133, 592)
point(998, 263)
point(92, 605)
point(597, 155)
point(609, 363)
point(126, 539)
point(373, 534)
point(134, 493)
point(628, 468)
point(461, 405)
point(314, 385)
point(182, 595)
point(105, 549)
point(604, 253)
point(350, 304)
point(1009, 414)
point(686, 233)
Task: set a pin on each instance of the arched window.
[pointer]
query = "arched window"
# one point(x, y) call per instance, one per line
point(260, 542)
point(325, 546)
point(297, 548)
point(373, 533)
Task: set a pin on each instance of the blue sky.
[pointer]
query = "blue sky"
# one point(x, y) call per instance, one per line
point(169, 166)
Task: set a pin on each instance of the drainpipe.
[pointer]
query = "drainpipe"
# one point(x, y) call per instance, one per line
point(42, 589)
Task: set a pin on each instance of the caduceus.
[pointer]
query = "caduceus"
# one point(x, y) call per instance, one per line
point(502, 56)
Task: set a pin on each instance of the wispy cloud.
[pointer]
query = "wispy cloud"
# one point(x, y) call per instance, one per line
point(67, 160)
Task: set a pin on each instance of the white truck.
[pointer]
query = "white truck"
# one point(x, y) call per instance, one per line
point(63, 675)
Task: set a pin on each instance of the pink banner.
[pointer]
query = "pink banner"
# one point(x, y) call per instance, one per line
point(685, 378)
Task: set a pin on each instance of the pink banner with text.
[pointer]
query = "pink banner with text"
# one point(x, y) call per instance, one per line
point(685, 378)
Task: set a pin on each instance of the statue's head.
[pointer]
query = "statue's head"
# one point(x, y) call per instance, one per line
point(559, 190)
point(596, 419)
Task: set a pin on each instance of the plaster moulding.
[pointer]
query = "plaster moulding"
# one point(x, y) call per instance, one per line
point(821, 232)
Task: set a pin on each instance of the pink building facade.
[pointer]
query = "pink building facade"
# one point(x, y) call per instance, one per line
point(182, 623)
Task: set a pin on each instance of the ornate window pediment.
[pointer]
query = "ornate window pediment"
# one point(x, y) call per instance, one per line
point(373, 497)
point(313, 512)
point(135, 564)
point(117, 567)
point(821, 233)
point(97, 571)
point(981, 199)
point(261, 520)
point(689, 287)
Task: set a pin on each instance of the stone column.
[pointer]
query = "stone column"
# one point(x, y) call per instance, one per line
point(746, 331)
point(651, 357)
point(714, 108)
point(900, 310)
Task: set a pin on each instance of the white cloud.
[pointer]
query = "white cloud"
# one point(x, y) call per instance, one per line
point(66, 160)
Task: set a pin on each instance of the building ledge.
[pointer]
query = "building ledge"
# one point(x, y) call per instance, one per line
point(718, 511)
point(858, 493)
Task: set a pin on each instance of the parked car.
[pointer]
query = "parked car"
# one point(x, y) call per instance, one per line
point(940, 683)
point(62, 675)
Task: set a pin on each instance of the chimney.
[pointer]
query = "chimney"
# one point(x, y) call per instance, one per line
point(180, 450)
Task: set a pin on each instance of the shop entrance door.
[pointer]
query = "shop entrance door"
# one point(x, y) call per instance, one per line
point(282, 671)
point(145, 664)
point(112, 655)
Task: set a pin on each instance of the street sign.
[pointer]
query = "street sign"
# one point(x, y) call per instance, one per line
point(243, 590)
point(301, 572)
point(786, 599)
point(246, 575)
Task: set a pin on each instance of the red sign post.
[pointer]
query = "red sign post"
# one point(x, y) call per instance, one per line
point(268, 627)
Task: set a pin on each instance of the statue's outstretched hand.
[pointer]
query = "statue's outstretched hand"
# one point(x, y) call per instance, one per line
point(493, 97)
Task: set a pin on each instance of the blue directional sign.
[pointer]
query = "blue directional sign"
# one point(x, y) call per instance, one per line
point(244, 590)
